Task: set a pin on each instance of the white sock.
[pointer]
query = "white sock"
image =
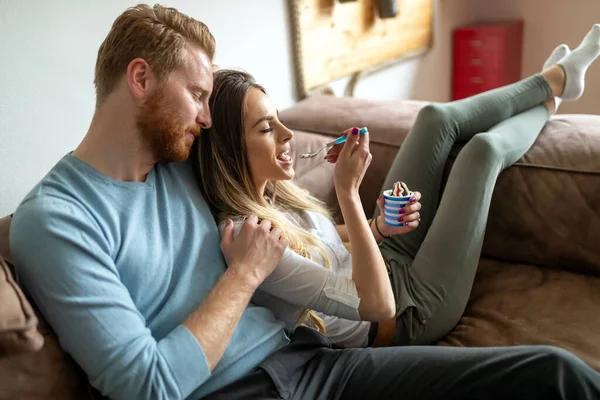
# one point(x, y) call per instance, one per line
point(557, 54)
point(577, 63)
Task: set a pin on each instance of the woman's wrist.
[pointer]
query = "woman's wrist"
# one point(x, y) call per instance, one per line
point(376, 235)
point(348, 196)
point(379, 228)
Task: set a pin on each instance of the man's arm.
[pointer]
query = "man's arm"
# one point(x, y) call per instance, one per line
point(65, 263)
point(251, 258)
point(215, 320)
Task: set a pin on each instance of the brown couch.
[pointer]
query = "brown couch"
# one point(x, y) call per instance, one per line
point(539, 277)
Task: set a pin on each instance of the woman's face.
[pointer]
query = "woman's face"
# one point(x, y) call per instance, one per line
point(267, 141)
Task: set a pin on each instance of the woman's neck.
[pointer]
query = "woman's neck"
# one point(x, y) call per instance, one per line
point(261, 187)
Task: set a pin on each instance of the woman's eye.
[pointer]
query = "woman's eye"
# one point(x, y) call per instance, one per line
point(267, 130)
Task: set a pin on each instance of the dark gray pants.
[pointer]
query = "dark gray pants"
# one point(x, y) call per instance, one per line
point(433, 267)
point(310, 368)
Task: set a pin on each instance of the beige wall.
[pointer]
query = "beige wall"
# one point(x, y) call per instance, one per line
point(547, 24)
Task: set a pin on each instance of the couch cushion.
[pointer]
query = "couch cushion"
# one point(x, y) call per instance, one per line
point(388, 121)
point(308, 169)
point(4, 230)
point(47, 374)
point(32, 363)
point(515, 304)
point(546, 208)
point(18, 323)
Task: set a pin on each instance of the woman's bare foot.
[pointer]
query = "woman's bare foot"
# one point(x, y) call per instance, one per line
point(557, 54)
point(551, 106)
point(556, 78)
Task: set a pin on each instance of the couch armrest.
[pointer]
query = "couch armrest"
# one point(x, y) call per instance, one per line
point(4, 244)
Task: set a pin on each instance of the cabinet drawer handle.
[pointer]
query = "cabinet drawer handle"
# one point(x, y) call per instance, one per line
point(476, 43)
point(476, 61)
point(476, 79)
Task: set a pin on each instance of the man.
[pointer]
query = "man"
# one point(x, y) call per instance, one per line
point(121, 254)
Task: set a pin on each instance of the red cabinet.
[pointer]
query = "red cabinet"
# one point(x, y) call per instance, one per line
point(486, 56)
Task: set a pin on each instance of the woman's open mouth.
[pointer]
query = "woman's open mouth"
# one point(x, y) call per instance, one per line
point(284, 157)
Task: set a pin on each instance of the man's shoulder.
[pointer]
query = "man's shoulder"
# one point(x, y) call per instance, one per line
point(57, 188)
point(56, 197)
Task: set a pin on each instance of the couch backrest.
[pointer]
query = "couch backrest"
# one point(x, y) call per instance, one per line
point(4, 229)
point(388, 123)
point(545, 209)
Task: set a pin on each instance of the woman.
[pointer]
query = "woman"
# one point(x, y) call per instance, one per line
point(244, 170)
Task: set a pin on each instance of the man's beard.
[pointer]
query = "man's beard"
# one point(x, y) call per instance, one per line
point(162, 129)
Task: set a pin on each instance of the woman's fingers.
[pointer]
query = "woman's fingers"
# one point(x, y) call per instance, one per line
point(381, 204)
point(417, 196)
point(332, 159)
point(409, 209)
point(415, 216)
point(336, 149)
point(351, 140)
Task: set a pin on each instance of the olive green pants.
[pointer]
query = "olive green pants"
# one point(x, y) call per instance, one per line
point(433, 267)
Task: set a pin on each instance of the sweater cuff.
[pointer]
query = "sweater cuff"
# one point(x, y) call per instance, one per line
point(186, 359)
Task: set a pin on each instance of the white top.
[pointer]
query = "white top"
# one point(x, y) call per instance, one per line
point(298, 283)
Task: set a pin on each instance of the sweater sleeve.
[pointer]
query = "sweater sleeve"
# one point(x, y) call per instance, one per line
point(64, 262)
point(306, 284)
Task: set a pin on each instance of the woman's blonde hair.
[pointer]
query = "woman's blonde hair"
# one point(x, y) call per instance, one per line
point(226, 182)
point(157, 34)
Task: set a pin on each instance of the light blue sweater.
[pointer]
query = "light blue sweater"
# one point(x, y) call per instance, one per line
point(116, 267)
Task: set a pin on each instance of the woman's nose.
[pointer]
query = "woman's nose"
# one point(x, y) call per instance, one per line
point(287, 134)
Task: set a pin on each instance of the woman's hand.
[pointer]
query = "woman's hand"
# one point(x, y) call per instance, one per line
point(410, 218)
point(352, 162)
point(334, 152)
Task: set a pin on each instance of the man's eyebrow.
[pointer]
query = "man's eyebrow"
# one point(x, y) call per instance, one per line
point(261, 119)
point(196, 88)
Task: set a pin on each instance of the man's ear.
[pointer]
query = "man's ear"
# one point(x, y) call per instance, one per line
point(140, 78)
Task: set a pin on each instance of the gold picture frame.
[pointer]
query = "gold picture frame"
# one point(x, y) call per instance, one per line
point(334, 39)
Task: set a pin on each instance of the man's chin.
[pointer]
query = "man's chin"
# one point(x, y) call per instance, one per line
point(176, 156)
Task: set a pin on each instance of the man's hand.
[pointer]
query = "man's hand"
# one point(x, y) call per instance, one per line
point(256, 251)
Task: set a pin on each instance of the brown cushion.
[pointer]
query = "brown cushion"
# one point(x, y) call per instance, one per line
point(514, 304)
point(546, 208)
point(47, 374)
point(388, 121)
point(313, 174)
point(18, 323)
point(4, 245)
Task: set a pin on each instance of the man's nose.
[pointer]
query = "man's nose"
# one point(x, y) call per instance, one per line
point(204, 119)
